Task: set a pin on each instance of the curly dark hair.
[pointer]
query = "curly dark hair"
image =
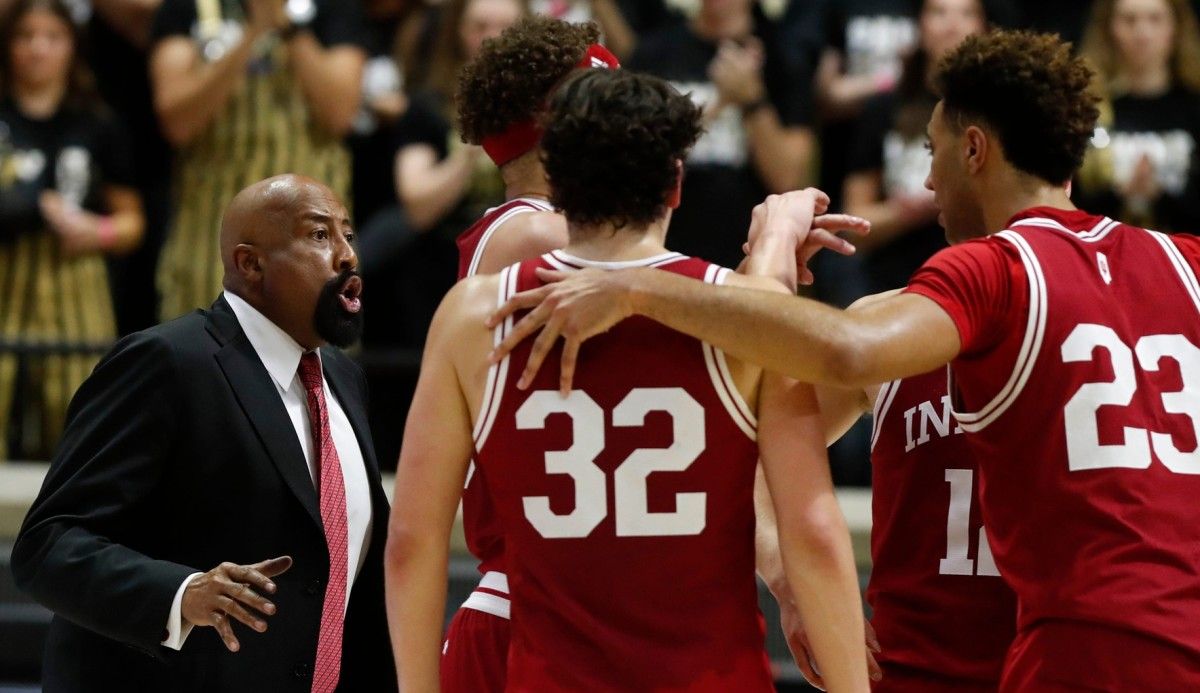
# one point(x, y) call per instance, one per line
point(1030, 90)
point(611, 143)
point(514, 73)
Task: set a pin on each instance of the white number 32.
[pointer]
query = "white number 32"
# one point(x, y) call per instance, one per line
point(633, 517)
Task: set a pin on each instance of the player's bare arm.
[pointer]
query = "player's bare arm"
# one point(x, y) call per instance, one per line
point(903, 335)
point(433, 464)
point(523, 237)
point(789, 437)
point(841, 407)
point(768, 559)
point(797, 337)
point(814, 542)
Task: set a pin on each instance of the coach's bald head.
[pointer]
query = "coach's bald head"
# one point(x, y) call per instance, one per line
point(286, 248)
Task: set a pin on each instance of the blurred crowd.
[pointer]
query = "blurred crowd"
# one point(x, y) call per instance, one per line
point(127, 125)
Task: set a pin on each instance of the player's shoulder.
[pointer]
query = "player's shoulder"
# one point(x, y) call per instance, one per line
point(544, 225)
point(465, 307)
point(521, 236)
point(1188, 244)
point(1189, 247)
point(999, 242)
point(473, 291)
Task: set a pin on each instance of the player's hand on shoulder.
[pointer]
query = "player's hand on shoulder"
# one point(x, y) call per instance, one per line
point(573, 305)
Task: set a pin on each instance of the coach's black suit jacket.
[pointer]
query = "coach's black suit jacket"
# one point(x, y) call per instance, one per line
point(179, 455)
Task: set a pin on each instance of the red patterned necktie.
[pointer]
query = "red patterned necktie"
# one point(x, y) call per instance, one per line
point(332, 493)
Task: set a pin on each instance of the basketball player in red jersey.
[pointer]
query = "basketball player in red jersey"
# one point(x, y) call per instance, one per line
point(627, 505)
point(516, 70)
point(943, 616)
point(502, 94)
point(1072, 341)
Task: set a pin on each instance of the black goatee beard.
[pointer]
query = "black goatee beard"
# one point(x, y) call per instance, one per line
point(334, 323)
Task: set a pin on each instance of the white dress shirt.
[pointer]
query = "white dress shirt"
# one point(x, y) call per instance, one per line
point(280, 354)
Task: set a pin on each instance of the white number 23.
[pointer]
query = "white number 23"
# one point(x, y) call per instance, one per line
point(1084, 450)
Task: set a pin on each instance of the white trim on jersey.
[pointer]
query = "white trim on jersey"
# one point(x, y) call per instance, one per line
point(1092, 235)
point(1031, 345)
point(494, 580)
point(1182, 268)
point(477, 256)
point(1041, 222)
point(883, 402)
point(722, 379)
point(556, 264)
point(498, 373)
point(1099, 231)
point(489, 604)
point(560, 259)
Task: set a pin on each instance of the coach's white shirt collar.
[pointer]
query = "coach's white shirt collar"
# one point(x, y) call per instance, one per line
point(278, 351)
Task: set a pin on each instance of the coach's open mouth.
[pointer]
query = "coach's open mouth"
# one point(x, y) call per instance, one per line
point(350, 294)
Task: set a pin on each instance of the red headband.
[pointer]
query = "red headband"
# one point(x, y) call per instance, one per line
point(524, 135)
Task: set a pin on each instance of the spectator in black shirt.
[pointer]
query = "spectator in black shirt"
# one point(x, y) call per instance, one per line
point(439, 178)
point(889, 163)
point(245, 90)
point(865, 45)
point(757, 112)
point(443, 184)
point(867, 41)
point(118, 35)
point(66, 199)
point(1066, 19)
point(616, 32)
point(409, 258)
point(1144, 165)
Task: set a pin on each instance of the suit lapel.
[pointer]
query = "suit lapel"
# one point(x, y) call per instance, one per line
point(260, 401)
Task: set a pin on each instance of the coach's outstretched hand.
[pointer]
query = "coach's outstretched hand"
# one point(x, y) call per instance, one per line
point(231, 590)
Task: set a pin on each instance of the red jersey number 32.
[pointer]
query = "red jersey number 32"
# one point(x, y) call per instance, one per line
point(633, 518)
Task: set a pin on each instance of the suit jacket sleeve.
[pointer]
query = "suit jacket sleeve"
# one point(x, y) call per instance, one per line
point(77, 552)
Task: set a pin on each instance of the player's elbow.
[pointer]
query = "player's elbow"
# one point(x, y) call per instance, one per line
point(405, 542)
point(848, 364)
point(412, 537)
point(819, 534)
